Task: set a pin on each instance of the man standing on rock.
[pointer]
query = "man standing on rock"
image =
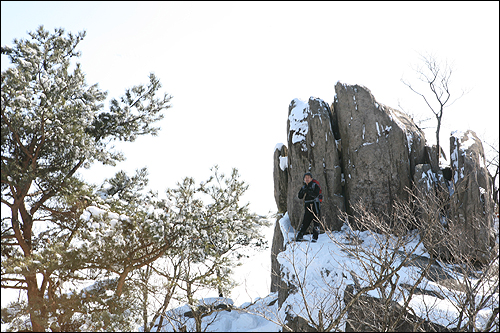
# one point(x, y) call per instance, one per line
point(312, 210)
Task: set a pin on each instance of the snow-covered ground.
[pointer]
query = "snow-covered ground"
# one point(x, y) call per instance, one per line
point(320, 267)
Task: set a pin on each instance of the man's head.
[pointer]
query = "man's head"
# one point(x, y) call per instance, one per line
point(308, 177)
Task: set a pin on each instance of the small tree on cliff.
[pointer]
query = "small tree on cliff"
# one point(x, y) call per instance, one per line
point(52, 124)
point(435, 77)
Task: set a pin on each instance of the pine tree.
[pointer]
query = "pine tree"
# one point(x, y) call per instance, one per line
point(59, 230)
point(214, 231)
point(215, 227)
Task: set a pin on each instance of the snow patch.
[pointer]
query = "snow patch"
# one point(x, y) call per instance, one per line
point(298, 120)
point(283, 162)
point(286, 228)
point(467, 143)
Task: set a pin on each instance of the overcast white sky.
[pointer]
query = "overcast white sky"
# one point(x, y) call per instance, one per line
point(233, 68)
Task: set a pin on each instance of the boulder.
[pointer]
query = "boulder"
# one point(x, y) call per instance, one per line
point(312, 148)
point(380, 148)
point(297, 324)
point(285, 288)
point(432, 190)
point(370, 314)
point(472, 204)
point(280, 176)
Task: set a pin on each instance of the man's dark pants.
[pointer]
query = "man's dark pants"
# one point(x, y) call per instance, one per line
point(308, 218)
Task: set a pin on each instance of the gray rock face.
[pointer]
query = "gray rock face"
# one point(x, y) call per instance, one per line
point(312, 148)
point(380, 148)
point(432, 157)
point(426, 180)
point(472, 205)
point(280, 176)
point(276, 248)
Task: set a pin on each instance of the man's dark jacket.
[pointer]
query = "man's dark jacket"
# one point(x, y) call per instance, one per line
point(311, 191)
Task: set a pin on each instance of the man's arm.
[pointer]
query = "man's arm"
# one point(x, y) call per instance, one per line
point(302, 192)
point(313, 190)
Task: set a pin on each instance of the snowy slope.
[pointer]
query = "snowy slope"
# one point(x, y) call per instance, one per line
point(322, 270)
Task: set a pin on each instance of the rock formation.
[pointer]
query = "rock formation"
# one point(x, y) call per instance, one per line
point(276, 247)
point(472, 202)
point(380, 148)
point(280, 176)
point(312, 148)
point(361, 150)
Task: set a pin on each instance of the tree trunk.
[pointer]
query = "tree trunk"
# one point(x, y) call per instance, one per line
point(35, 303)
point(121, 281)
point(145, 280)
point(35, 296)
point(438, 129)
point(145, 307)
point(195, 309)
point(219, 287)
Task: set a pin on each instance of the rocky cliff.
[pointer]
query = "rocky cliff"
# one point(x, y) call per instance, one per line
point(380, 148)
point(358, 149)
point(363, 151)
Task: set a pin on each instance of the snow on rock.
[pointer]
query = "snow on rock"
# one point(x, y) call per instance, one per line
point(280, 176)
point(286, 229)
point(429, 178)
point(298, 120)
point(454, 157)
point(283, 162)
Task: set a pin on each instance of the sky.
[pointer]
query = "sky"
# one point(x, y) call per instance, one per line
point(233, 68)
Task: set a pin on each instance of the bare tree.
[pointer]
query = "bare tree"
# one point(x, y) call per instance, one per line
point(436, 76)
point(471, 285)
